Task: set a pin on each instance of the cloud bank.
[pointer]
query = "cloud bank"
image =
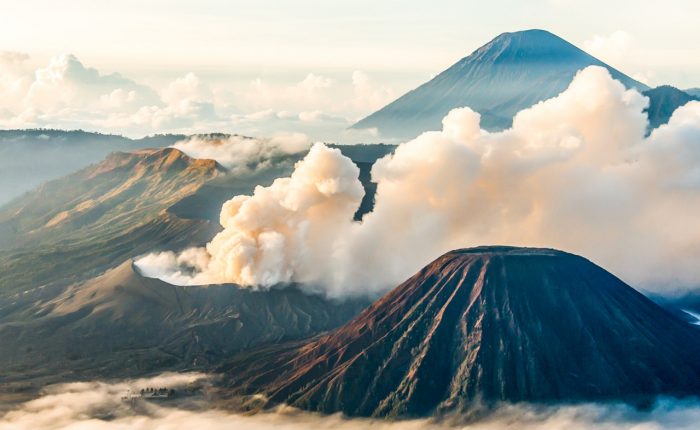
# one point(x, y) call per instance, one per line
point(574, 172)
point(67, 94)
point(97, 406)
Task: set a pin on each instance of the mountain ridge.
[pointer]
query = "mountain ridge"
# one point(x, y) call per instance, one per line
point(106, 192)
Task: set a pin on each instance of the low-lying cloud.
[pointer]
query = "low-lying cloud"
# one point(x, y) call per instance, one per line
point(575, 172)
point(98, 405)
point(239, 153)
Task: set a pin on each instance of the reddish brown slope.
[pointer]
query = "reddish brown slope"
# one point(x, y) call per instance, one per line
point(491, 324)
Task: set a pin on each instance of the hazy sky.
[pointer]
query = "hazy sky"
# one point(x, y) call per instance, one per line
point(252, 57)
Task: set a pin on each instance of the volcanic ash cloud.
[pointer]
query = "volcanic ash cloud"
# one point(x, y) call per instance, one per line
point(575, 172)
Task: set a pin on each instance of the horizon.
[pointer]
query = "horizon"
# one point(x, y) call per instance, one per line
point(238, 78)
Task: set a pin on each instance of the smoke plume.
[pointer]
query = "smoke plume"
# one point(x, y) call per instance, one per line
point(575, 172)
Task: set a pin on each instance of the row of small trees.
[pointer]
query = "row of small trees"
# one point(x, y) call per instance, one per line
point(157, 391)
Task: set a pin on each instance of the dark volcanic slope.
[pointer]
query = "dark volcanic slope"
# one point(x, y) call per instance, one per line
point(123, 324)
point(496, 324)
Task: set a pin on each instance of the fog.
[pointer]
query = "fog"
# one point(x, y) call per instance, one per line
point(97, 405)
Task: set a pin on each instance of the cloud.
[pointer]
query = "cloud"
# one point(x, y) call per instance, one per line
point(14, 82)
point(322, 125)
point(65, 81)
point(619, 50)
point(313, 90)
point(369, 97)
point(574, 172)
point(186, 104)
point(12, 58)
point(185, 90)
point(97, 405)
point(241, 154)
point(317, 105)
point(610, 47)
point(66, 93)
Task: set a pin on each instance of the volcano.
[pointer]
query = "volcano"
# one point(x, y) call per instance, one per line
point(510, 73)
point(480, 326)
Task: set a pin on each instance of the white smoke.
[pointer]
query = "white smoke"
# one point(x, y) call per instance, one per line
point(186, 268)
point(240, 153)
point(574, 172)
point(98, 406)
point(279, 233)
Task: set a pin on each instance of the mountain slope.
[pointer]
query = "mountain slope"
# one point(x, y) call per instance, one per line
point(73, 228)
point(663, 101)
point(512, 72)
point(76, 227)
point(695, 92)
point(685, 305)
point(123, 324)
point(30, 157)
point(485, 325)
point(118, 187)
point(61, 315)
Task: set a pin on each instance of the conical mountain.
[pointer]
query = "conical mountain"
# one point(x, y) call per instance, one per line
point(512, 72)
point(485, 325)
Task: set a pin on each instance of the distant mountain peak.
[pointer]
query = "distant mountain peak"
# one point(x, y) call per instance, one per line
point(506, 75)
point(527, 46)
point(541, 40)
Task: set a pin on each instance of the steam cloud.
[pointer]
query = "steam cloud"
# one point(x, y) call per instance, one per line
point(97, 406)
point(240, 153)
point(575, 172)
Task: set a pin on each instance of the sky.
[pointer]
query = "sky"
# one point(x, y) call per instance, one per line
point(310, 66)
